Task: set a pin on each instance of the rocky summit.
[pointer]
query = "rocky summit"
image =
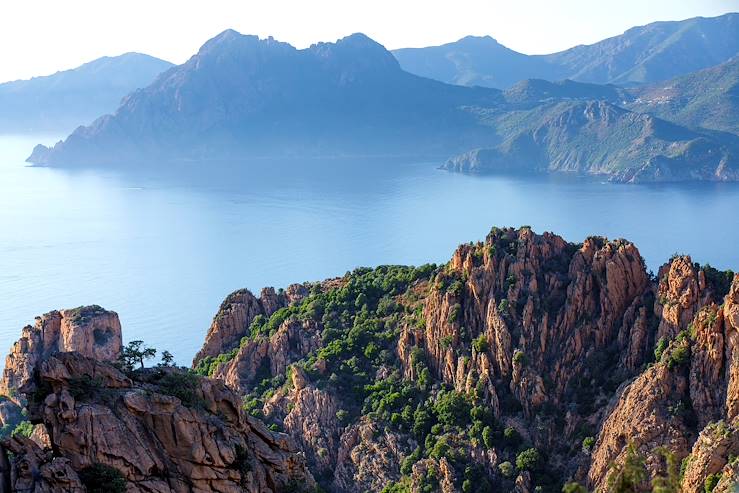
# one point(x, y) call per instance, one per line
point(526, 363)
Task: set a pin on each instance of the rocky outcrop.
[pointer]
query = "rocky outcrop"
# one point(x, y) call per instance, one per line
point(36, 470)
point(369, 458)
point(647, 415)
point(163, 430)
point(271, 355)
point(543, 308)
point(238, 311)
point(681, 292)
point(710, 453)
point(89, 330)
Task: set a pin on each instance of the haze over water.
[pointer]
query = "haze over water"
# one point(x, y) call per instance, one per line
point(164, 251)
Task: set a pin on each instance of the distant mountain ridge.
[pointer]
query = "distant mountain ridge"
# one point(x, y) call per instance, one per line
point(650, 53)
point(67, 99)
point(241, 97)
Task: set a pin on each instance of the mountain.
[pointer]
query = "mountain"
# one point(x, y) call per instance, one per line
point(67, 99)
point(707, 99)
point(600, 138)
point(651, 53)
point(241, 97)
point(524, 363)
point(473, 61)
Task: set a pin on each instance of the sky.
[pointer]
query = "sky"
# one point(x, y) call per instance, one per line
point(39, 37)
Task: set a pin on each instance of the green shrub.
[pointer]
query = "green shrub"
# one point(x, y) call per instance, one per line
point(183, 384)
point(511, 435)
point(679, 356)
point(574, 487)
point(527, 460)
point(407, 465)
point(452, 408)
point(480, 343)
point(659, 349)
point(588, 443)
point(467, 486)
point(711, 481)
point(100, 478)
point(342, 416)
point(519, 357)
point(24, 428)
point(487, 437)
point(506, 469)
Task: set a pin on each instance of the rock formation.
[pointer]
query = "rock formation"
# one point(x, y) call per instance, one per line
point(524, 363)
point(572, 351)
point(162, 429)
point(88, 330)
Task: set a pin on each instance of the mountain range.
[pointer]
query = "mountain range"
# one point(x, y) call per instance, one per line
point(651, 53)
point(241, 97)
point(67, 99)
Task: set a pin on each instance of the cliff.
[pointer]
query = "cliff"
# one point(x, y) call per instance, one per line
point(102, 427)
point(526, 361)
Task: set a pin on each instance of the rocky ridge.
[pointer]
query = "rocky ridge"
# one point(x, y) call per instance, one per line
point(101, 426)
point(524, 362)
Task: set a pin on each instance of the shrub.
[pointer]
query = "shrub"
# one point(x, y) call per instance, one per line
point(659, 349)
point(519, 357)
point(527, 460)
point(679, 356)
point(407, 465)
point(342, 416)
point(422, 422)
point(503, 306)
point(511, 435)
point(452, 408)
point(100, 478)
point(588, 443)
point(24, 428)
point(628, 476)
point(480, 344)
point(506, 469)
point(182, 384)
point(574, 487)
point(487, 437)
point(711, 481)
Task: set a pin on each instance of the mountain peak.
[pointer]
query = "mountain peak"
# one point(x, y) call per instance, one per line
point(357, 53)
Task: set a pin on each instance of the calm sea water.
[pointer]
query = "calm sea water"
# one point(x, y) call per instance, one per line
point(164, 251)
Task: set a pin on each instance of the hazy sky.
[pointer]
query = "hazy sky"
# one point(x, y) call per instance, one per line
point(38, 37)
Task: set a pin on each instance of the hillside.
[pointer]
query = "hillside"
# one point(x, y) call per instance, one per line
point(65, 100)
point(707, 99)
point(598, 138)
point(651, 53)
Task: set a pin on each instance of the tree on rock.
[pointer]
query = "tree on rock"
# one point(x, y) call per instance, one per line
point(135, 353)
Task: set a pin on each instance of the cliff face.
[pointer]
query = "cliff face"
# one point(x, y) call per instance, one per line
point(162, 429)
point(448, 377)
point(89, 330)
